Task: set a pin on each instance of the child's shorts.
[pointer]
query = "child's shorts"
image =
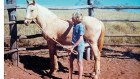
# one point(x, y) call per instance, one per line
point(80, 50)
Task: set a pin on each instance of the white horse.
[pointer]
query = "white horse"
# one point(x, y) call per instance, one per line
point(61, 31)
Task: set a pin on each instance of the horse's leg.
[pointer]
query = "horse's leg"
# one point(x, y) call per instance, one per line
point(53, 57)
point(97, 59)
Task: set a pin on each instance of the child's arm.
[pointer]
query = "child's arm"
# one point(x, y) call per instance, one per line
point(78, 42)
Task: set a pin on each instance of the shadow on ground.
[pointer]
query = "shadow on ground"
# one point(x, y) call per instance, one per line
point(129, 54)
point(39, 65)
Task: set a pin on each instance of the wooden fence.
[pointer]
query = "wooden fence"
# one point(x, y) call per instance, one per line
point(11, 7)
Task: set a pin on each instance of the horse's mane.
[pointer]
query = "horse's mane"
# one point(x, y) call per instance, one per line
point(46, 11)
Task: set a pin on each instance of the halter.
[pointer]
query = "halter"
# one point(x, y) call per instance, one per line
point(31, 19)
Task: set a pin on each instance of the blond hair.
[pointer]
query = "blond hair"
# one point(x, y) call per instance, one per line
point(77, 15)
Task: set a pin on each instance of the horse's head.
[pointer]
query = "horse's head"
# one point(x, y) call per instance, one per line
point(31, 12)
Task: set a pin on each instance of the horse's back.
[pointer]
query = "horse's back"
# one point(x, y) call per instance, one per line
point(93, 27)
point(92, 21)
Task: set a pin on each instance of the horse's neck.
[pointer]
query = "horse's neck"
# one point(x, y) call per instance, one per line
point(45, 17)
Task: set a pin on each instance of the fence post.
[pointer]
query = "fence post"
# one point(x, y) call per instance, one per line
point(13, 32)
point(90, 13)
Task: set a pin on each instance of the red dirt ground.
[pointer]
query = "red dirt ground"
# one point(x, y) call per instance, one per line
point(118, 63)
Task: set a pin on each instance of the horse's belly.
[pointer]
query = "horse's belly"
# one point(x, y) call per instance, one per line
point(65, 41)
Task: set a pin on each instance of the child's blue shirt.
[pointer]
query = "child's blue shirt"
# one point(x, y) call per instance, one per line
point(78, 30)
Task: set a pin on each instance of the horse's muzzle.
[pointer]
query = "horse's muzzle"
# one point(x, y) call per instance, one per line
point(26, 22)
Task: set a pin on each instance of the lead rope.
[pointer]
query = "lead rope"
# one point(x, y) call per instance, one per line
point(64, 47)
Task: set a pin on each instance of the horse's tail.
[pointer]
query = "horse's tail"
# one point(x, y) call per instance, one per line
point(101, 38)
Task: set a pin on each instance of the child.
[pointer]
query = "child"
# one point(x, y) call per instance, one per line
point(78, 44)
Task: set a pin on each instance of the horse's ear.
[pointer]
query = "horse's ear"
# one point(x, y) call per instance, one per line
point(27, 1)
point(33, 2)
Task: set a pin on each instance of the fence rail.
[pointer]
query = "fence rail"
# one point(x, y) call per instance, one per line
point(119, 20)
point(123, 35)
point(136, 45)
point(104, 20)
point(40, 35)
point(10, 6)
point(116, 7)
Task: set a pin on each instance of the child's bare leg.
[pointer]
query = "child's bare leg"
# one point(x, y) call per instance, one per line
point(80, 68)
point(70, 67)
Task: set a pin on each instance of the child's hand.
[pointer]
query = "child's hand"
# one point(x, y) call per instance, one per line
point(69, 50)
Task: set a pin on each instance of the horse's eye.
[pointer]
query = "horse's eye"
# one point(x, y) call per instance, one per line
point(32, 10)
